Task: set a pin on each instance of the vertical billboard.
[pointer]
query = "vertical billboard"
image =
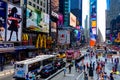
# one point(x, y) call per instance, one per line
point(72, 20)
point(53, 27)
point(16, 2)
point(55, 5)
point(93, 22)
point(63, 37)
point(37, 20)
point(44, 23)
point(93, 15)
point(14, 22)
point(3, 7)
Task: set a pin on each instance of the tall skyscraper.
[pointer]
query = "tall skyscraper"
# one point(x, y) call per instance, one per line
point(113, 19)
point(101, 20)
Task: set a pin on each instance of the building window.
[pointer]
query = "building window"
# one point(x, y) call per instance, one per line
point(41, 3)
point(30, 3)
point(37, 1)
point(44, 5)
point(33, 5)
point(37, 7)
point(44, 10)
point(40, 9)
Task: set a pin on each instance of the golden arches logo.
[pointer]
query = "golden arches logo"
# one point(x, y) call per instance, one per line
point(41, 41)
point(24, 37)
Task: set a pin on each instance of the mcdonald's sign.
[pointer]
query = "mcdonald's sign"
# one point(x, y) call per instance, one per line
point(41, 41)
point(25, 39)
point(49, 42)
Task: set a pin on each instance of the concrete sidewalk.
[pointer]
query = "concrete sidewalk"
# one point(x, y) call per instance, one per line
point(69, 76)
point(8, 69)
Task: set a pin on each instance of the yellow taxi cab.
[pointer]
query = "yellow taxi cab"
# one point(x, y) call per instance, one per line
point(61, 54)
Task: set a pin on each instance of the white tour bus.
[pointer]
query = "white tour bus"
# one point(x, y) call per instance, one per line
point(22, 68)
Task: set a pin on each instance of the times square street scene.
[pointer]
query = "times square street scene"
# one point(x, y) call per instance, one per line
point(59, 40)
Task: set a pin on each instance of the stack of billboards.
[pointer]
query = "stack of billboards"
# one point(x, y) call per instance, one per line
point(93, 21)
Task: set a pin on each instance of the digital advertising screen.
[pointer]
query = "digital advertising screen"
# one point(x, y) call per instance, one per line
point(37, 20)
point(14, 22)
point(72, 20)
point(53, 27)
point(3, 8)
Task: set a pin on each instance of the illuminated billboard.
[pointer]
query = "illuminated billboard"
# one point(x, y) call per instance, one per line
point(55, 5)
point(93, 23)
point(14, 22)
point(44, 23)
point(94, 31)
point(3, 7)
point(72, 20)
point(37, 20)
point(53, 27)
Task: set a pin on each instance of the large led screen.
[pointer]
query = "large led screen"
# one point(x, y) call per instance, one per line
point(14, 21)
point(94, 23)
point(37, 20)
point(72, 20)
point(3, 7)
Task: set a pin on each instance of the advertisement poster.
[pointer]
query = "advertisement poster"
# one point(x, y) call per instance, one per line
point(68, 37)
point(14, 22)
point(63, 37)
point(53, 27)
point(37, 20)
point(44, 23)
point(72, 20)
point(94, 31)
point(3, 7)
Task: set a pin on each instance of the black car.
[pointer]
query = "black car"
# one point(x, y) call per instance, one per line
point(59, 63)
point(47, 70)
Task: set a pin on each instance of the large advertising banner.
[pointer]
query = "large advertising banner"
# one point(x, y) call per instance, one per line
point(3, 7)
point(55, 5)
point(72, 20)
point(37, 20)
point(68, 37)
point(14, 22)
point(93, 22)
point(44, 23)
point(53, 27)
point(63, 37)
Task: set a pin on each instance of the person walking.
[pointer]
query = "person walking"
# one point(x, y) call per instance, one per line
point(84, 67)
point(33, 76)
point(69, 68)
point(93, 65)
point(91, 72)
point(65, 71)
point(111, 76)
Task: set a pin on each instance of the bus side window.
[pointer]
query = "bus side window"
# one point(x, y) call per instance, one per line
point(21, 66)
point(17, 66)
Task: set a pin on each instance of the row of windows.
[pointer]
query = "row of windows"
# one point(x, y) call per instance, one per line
point(39, 1)
point(38, 7)
point(41, 4)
